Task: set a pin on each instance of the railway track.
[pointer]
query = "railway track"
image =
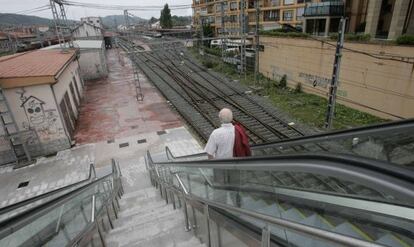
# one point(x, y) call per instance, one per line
point(198, 94)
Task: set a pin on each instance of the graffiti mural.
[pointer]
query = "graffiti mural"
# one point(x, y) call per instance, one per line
point(44, 121)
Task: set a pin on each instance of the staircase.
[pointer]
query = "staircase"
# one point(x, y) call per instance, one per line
point(145, 219)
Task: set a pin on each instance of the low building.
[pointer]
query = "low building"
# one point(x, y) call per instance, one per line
point(92, 59)
point(86, 30)
point(43, 90)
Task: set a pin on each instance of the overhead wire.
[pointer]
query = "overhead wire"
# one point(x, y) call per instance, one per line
point(373, 55)
point(29, 11)
point(123, 7)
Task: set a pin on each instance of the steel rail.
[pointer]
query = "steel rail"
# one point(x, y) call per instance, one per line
point(211, 102)
point(186, 88)
point(194, 126)
point(176, 79)
point(235, 89)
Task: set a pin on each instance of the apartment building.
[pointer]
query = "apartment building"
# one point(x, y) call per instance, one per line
point(273, 13)
point(383, 19)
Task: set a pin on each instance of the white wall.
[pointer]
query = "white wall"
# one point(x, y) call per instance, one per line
point(34, 107)
point(85, 31)
point(93, 64)
point(62, 86)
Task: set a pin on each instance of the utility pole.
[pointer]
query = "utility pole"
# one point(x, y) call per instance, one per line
point(201, 21)
point(222, 30)
point(243, 38)
point(61, 23)
point(335, 75)
point(256, 52)
point(126, 20)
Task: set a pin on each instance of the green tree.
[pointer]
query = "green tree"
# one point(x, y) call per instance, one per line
point(152, 20)
point(208, 32)
point(165, 18)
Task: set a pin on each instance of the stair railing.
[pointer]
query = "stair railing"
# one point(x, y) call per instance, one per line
point(159, 177)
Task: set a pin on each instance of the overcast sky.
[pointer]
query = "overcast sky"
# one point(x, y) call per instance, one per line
point(14, 6)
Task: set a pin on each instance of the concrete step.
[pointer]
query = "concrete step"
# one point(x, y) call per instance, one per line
point(145, 219)
point(150, 230)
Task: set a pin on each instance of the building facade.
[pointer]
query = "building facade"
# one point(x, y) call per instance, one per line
point(86, 30)
point(382, 19)
point(43, 89)
point(92, 59)
point(273, 14)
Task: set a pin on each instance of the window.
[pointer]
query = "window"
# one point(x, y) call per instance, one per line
point(218, 20)
point(288, 15)
point(287, 2)
point(218, 7)
point(299, 13)
point(271, 15)
point(233, 6)
point(275, 3)
point(233, 18)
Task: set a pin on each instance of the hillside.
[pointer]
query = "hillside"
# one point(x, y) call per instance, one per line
point(17, 20)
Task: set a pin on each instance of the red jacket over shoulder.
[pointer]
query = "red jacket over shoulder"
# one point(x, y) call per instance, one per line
point(241, 142)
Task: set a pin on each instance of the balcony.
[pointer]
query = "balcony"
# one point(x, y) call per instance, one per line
point(330, 8)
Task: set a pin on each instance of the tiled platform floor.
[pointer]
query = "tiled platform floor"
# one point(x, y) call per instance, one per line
point(110, 110)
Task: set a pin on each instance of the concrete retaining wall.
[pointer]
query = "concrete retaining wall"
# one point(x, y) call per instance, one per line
point(382, 87)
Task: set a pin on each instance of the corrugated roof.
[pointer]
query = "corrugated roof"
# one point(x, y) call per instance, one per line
point(35, 63)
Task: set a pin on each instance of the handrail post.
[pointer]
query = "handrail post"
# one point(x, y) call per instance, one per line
point(207, 219)
point(265, 237)
point(189, 182)
point(93, 209)
point(92, 169)
point(187, 223)
point(60, 218)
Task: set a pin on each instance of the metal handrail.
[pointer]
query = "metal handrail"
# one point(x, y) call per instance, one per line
point(299, 228)
point(116, 192)
point(326, 136)
point(340, 134)
point(23, 203)
point(173, 157)
point(309, 162)
point(18, 221)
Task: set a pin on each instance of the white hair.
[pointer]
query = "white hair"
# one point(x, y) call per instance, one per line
point(225, 115)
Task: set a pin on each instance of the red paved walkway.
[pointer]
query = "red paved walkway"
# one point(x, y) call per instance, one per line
point(110, 110)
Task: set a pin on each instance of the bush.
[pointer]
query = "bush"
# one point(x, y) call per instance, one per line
point(213, 51)
point(352, 37)
point(209, 64)
point(405, 40)
point(298, 88)
point(283, 33)
point(283, 82)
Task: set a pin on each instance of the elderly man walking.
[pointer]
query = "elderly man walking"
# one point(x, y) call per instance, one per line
point(221, 142)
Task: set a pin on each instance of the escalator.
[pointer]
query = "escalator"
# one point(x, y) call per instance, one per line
point(345, 188)
point(336, 196)
point(76, 215)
